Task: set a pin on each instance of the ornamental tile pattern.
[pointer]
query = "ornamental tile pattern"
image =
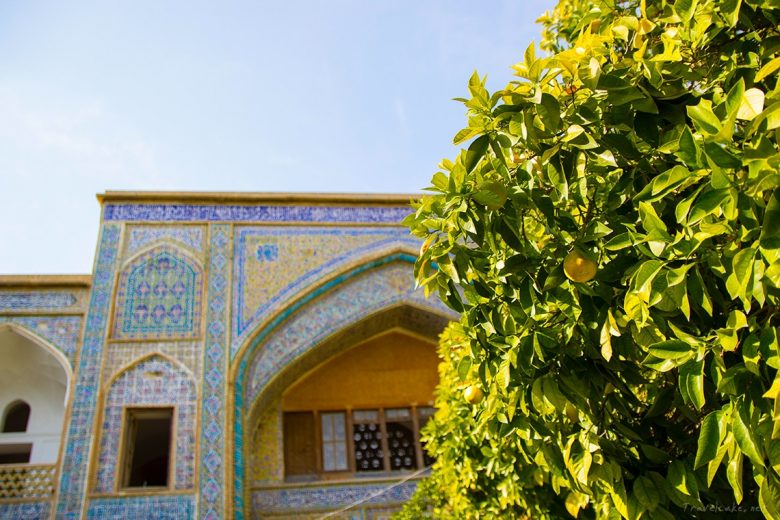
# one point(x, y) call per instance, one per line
point(37, 300)
point(142, 237)
point(268, 456)
point(153, 381)
point(61, 331)
point(120, 355)
point(337, 305)
point(212, 441)
point(73, 472)
point(272, 264)
point(177, 507)
point(25, 510)
point(253, 213)
point(368, 291)
point(159, 297)
point(325, 497)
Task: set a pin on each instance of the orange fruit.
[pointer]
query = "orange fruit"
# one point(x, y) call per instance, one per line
point(579, 267)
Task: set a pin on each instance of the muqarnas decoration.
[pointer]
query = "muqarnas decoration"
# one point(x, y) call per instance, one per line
point(159, 297)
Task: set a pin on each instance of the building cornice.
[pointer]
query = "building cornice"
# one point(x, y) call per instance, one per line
point(45, 280)
point(216, 197)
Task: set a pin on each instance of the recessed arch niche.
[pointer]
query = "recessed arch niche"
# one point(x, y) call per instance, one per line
point(38, 375)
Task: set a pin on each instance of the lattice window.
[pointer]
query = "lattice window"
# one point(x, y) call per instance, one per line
point(159, 297)
point(29, 481)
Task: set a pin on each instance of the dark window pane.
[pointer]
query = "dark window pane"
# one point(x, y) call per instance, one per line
point(149, 447)
point(15, 453)
point(400, 441)
point(16, 418)
point(367, 440)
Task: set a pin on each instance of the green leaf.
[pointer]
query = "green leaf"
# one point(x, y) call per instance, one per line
point(741, 276)
point(720, 156)
point(740, 425)
point(703, 118)
point(475, 152)
point(692, 382)
point(464, 367)
point(670, 349)
point(730, 10)
point(734, 475)
point(752, 104)
point(550, 112)
point(492, 195)
point(767, 69)
point(465, 135)
point(769, 496)
point(770, 227)
point(688, 150)
point(642, 279)
point(655, 227)
point(709, 438)
point(646, 492)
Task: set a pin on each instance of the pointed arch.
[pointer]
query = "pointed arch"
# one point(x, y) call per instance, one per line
point(47, 346)
point(155, 353)
point(152, 380)
point(358, 296)
point(40, 341)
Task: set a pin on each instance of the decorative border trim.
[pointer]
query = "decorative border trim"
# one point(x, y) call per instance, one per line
point(25, 301)
point(75, 459)
point(247, 213)
point(395, 237)
point(212, 422)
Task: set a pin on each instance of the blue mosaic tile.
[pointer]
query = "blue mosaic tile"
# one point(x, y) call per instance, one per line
point(253, 213)
point(73, 471)
point(141, 237)
point(215, 361)
point(153, 381)
point(25, 511)
point(175, 507)
point(306, 255)
point(310, 497)
point(159, 297)
point(22, 301)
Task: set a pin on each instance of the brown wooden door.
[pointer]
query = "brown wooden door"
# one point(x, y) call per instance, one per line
point(300, 450)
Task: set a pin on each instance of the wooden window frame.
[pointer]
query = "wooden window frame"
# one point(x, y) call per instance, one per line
point(125, 459)
point(352, 471)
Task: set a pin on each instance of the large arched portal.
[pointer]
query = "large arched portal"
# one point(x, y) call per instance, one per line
point(34, 380)
point(357, 360)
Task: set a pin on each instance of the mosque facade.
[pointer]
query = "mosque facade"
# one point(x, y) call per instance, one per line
point(231, 356)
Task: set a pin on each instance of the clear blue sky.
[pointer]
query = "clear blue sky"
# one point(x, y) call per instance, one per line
point(336, 95)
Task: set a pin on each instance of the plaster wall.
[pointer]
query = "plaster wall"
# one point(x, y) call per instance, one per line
point(394, 369)
point(30, 373)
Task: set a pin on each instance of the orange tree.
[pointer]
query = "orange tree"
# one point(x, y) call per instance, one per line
point(611, 236)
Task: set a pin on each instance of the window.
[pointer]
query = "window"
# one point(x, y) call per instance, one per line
point(334, 436)
point(15, 453)
point(147, 452)
point(379, 440)
point(17, 416)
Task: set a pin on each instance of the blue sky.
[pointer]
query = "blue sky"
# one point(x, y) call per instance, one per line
point(335, 96)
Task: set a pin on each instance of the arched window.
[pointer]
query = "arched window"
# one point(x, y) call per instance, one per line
point(16, 417)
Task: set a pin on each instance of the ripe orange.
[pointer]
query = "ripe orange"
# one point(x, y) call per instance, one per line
point(579, 267)
point(473, 394)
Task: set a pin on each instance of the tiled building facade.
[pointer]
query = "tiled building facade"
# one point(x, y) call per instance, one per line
point(230, 323)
